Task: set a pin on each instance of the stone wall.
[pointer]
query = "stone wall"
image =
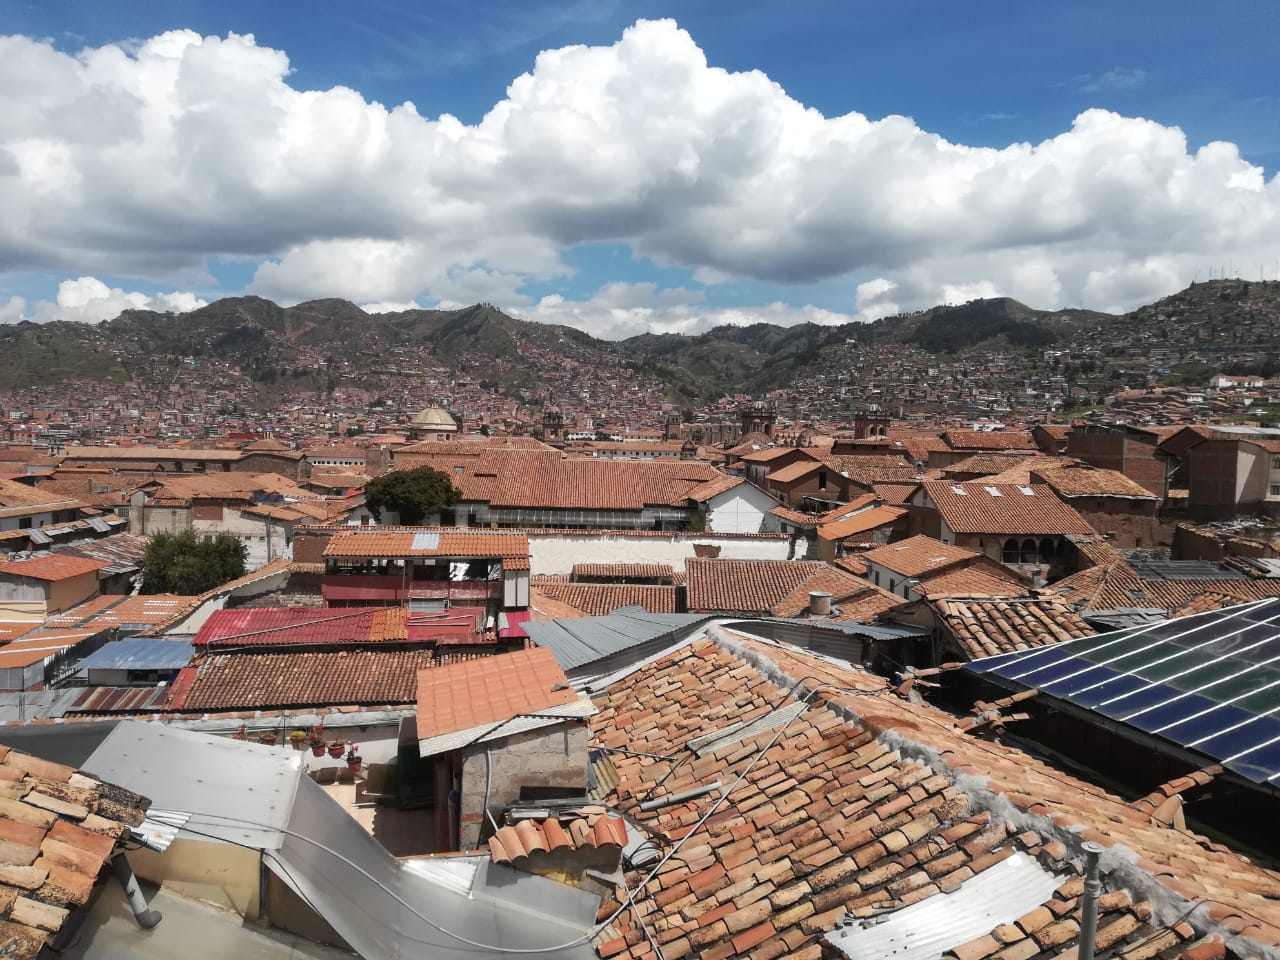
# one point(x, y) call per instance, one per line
point(554, 756)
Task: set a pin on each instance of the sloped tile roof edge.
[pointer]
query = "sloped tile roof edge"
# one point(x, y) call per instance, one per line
point(1021, 813)
point(487, 732)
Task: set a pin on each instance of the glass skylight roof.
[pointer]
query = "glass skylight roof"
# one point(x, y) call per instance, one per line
point(1209, 683)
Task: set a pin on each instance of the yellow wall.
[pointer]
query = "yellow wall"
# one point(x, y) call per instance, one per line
point(65, 594)
point(222, 874)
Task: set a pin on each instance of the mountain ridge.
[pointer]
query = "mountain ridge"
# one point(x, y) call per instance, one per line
point(269, 341)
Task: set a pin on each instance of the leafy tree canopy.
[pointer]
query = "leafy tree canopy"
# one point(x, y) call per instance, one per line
point(187, 564)
point(412, 494)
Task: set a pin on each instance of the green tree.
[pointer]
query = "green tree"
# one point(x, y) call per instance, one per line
point(413, 494)
point(187, 564)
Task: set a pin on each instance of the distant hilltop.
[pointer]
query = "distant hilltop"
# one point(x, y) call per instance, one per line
point(321, 343)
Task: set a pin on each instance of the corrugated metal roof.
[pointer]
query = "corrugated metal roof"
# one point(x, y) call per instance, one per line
point(927, 929)
point(138, 654)
point(587, 639)
point(852, 628)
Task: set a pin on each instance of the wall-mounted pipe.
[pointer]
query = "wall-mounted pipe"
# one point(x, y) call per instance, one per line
point(1089, 904)
point(680, 797)
point(142, 912)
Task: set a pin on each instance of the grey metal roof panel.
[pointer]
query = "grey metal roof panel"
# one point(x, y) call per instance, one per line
point(139, 653)
point(852, 628)
point(584, 640)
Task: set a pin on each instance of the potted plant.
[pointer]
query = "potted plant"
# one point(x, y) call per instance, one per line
point(241, 733)
point(317, 740)
point(298, 739)
point(268, 737)
point(353, 758)
point(336, 747)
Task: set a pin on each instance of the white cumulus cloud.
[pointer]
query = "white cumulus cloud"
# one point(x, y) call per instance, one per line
point(146, 160)
point(89, 300)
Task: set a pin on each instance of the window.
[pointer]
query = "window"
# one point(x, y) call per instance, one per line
point(1275, 463)
point(822, 479)
point(1010, 552)
point(1028, 551)
point(893, 586)
point(1275, 490)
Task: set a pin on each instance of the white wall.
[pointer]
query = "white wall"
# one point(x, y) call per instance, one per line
point(252, 532)
point(740, 510)
point(552, 553)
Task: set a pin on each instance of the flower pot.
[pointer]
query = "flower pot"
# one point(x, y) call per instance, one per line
point(268, 738)
point(336, 749)
point(317, 749)
point(298, 739)
point(354, 764)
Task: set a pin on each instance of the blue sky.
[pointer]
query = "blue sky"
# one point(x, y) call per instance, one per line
point(980, 75)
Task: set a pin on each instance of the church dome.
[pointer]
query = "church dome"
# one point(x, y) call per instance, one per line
point(434, 418)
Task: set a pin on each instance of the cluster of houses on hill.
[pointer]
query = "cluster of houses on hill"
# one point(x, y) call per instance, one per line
point(896, 689)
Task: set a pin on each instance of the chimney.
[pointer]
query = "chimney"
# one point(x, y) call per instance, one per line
point(819, 603)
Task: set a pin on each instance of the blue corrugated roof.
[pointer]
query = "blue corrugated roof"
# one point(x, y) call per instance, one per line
point(139, 654)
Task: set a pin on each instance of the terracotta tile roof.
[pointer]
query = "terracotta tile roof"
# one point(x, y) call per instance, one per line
point(969, 581)
point(895, 494)
point(769, 454)
point(1083, 480)
point(835, 818)
point(986, 626)
point(1117, 585)
point(32, 648)
point(797, 471)
point(918, 555)
point(713, 488)
point(861, 522)
point(1096, 550)
point(53, 568)
point(987, 464)
point(113, 610)
point(796, 517)
point(1023, 471)
point(852, 598)
point(58, 827)
point(531, 479)
point(744, 586)
point(851, 564)
point(149, 453)
point(289, 626)
point(622, 571)
point(528, 842)
point(597, 599)
point(973, 508)
point(989, 440)
point(460, 696)
point(545, 607)
point(252, 681)
point(426, 542)
point(12, 631)
point(19, 500)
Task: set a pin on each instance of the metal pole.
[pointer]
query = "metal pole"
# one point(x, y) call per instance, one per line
point(1089, 905)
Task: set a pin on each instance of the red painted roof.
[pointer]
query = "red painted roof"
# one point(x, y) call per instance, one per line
point(516, 619)
point(464, 695)
point(275, 626)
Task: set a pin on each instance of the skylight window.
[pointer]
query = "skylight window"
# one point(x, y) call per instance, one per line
point(993, 491)
point(1026, 491)
point(959, 491)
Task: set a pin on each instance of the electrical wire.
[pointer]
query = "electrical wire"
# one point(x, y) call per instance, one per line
point(628, 902)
